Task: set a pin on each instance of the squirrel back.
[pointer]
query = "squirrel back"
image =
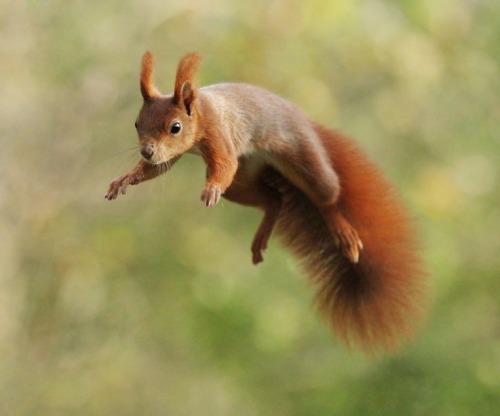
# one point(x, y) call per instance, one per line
point(375, 303)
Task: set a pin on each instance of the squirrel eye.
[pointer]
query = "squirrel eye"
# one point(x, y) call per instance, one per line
point(175, 128)
point(135, 124)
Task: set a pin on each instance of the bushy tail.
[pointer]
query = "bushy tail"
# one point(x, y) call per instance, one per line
point(375, 303)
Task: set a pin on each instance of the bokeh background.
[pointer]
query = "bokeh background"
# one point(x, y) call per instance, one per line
point(149, 305)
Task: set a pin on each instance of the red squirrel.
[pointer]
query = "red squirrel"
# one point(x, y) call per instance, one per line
point(319, 192)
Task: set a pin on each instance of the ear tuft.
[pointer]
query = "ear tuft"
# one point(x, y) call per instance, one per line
point(184, 92)
point(148, 90)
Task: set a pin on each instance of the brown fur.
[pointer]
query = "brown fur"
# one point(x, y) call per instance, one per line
point(331, 206)
point(377, 302)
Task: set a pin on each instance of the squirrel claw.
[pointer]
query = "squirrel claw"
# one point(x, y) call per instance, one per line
point(112, 191)
point(211, 195)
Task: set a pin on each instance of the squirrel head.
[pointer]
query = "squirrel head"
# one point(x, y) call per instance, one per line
point(167, 124)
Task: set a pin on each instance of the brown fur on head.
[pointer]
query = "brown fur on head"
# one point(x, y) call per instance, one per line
point(167, 123)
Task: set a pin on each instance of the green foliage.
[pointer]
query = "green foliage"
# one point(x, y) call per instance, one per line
point(150, 305)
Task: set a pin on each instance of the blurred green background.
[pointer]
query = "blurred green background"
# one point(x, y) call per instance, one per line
point(149, 305)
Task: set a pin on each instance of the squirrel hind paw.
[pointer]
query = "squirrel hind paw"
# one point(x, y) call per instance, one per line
point(351, 248)
point(259, 245)
point(348, 242)
point(257, 257)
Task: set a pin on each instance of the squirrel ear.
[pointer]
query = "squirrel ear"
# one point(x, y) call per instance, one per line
point(188, 95)
point(148, 90)
point(184, 92)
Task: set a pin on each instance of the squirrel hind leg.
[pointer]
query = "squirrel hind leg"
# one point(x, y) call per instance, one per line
point(277, 191)
point(255, 191)
point(270, 199)
point(319, 182)
point(259, 243)
point(344, 235)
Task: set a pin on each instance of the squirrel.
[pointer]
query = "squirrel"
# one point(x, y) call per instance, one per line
point(329, 204)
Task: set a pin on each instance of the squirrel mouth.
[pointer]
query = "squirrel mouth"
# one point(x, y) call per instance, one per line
point(157, 159)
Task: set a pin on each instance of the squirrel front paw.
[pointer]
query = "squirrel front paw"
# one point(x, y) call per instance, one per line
point(121, 184)
point(211, 194)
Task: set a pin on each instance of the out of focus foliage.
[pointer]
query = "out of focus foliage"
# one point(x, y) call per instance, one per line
point(149, 305)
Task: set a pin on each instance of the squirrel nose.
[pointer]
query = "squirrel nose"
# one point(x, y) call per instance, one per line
point(147, 151)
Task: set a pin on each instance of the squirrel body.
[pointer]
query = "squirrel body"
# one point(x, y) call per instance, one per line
point(329, 204)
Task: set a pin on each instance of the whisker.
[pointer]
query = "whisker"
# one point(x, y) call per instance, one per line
point(160, 168)
point(106, 158)
point(200, 152)
point(123, 151)
point(163, 168)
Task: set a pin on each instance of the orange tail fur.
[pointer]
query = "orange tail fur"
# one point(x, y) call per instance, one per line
point(376, 302)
